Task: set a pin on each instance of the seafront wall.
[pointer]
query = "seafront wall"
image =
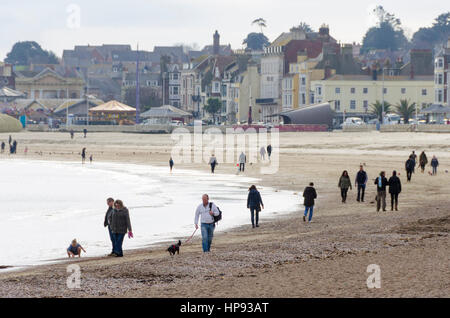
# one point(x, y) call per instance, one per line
point(399, 128)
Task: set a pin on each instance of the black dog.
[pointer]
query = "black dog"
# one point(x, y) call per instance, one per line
point(174, 248)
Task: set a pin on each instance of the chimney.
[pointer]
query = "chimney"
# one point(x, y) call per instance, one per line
point(216, 43)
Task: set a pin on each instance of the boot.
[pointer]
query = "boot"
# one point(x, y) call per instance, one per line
point(396, 207)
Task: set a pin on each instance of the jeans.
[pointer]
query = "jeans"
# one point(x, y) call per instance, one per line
point(111, 238)
point(117, 243)
point(381, 200)
point(394, 200)
point(254, 213)
point(310, 209)
point(242, 167)
point(434, 170)
point(207, 236)
point(213, 166)
point(361, 190)
point(409, 174)
point(344, 194)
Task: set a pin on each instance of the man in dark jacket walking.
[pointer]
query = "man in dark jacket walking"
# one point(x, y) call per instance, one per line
point(310, 195)
point(107, 222)
point(269, 150)
point(361, 181)
point(381, 183)
point(395, 187)
point(409, 166)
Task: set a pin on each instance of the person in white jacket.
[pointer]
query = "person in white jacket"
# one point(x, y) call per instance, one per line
point(206, 212)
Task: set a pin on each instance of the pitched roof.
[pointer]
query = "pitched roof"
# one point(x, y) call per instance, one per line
point(9, 92)
point(165, 111)
point(113, 106)
point(436, 109)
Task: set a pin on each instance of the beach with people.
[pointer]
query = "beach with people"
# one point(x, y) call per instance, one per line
point(284, 256)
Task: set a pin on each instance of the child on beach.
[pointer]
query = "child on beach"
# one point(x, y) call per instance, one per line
point(75, 249)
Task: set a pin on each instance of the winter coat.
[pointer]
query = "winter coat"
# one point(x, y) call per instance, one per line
point(120, 221)
point(309, 194)
point(384, 183)
point(410, 164)
point(434, 162)
point(423, 160)
point(344, 182)
point(395, 185)
point(254, 199)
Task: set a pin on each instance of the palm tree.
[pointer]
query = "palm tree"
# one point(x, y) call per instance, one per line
point(405, 109)
point(377, 109)
point(260, 22)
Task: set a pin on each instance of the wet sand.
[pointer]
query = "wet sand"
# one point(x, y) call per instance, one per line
point(284, 257)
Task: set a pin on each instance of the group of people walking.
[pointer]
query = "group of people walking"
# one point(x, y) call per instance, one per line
point(411, 163)
point(12, 146)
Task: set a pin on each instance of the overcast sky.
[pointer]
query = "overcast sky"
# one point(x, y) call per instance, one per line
point(53, 23)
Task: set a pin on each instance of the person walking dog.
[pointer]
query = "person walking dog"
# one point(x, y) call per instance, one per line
point(205, 213)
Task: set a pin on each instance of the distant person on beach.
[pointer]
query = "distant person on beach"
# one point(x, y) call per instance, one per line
point(72, 134)
point(381, 182)
point(344, 184)
point(423, 160)
point(91, 157)
point(3, 146)
point(434, 165)
point(9, 139)
point(309, 195)
point(107, 221)
point(120, 225)
point(409, 166)
point(361, 181)
point(242, 161)
point(26, 151)
point(75, 249)
point(413, 156)
point(205, 213)
point(262, 152)
point(213, 163)
point(85, 132)
point(269, 151)
point(171, 164)
point(83, 155)
point(395, 187)
point(14, 147)
point(254, 203)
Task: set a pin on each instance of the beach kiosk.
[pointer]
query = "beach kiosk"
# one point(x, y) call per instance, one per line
point(115, 111)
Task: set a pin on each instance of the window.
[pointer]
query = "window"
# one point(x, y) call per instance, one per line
point(352, 90)
point(352, 104)
point(302, 98)
point(403, 90)
point(385, 91)
point(365, 90)
point(319, 90)
point(337, 90)
point(439, 96)
point(424, 92)
point(337, 105)
point(440, 63)
point(440, 79)
point(303, 81)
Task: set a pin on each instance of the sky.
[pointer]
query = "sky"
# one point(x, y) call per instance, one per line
point(62, 24)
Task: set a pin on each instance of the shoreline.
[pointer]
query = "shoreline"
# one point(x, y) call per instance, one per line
point(284, 257)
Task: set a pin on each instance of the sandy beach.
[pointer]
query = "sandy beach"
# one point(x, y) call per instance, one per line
point(284, 257)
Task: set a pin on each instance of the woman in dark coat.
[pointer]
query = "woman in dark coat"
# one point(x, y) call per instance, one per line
point(120, 225)
point(344, 184)
point(254, 203)
point(395, 187)
point(423, 160)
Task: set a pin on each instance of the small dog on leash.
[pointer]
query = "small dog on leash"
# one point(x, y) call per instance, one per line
point(174, 248)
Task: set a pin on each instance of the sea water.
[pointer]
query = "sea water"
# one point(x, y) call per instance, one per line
point(44, 205)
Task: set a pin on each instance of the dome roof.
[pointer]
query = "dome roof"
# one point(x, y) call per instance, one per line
point(9, 124)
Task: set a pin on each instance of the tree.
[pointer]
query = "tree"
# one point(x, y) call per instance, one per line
point(305, 27)
point(438, 33)
point(377, 109)
point(148, 97)
point(261, 23)
point(30, 52)
point(213, 106)
point(405, 109)
point(256, 41)
point(387, 34)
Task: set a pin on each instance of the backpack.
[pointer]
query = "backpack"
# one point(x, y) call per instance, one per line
point(218, 217)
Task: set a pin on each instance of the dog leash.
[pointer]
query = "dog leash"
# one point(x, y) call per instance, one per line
point(191, 237)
